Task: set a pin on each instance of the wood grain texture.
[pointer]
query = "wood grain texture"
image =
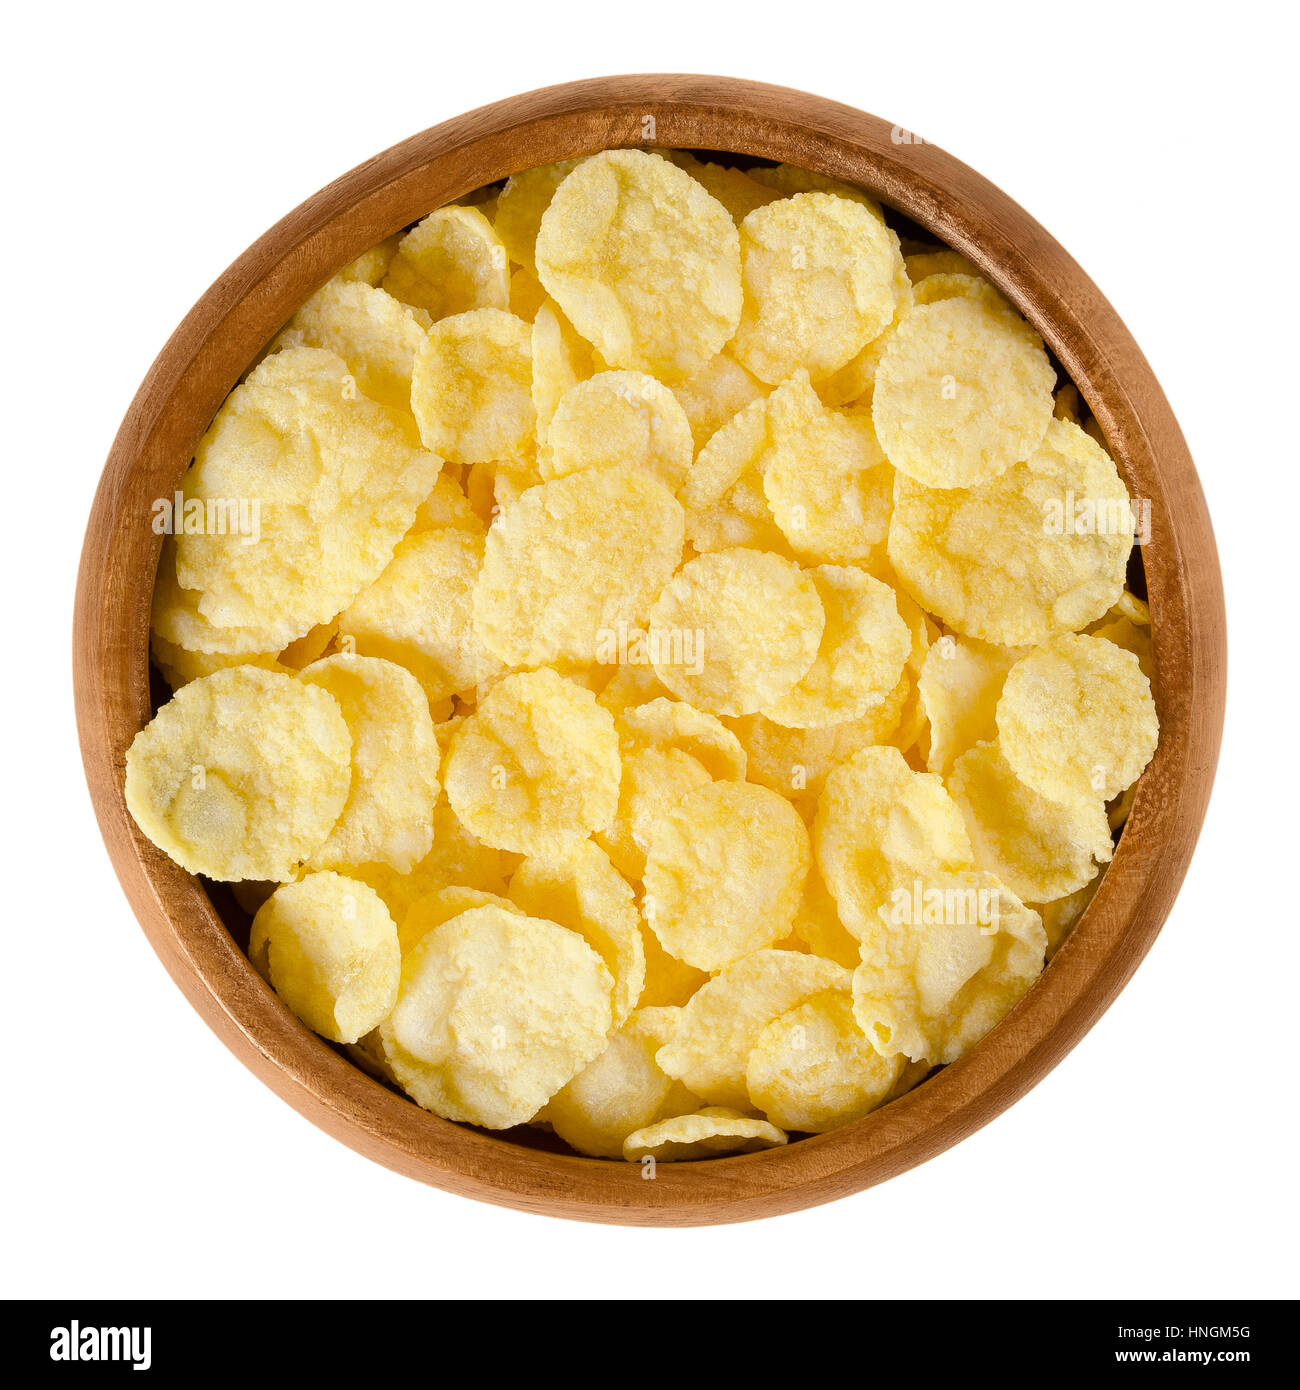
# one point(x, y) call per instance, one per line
point(248, 304)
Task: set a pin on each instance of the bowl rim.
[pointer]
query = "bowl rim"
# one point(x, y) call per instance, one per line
point(249, 302)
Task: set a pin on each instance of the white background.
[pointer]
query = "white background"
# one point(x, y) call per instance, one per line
point(147, 146)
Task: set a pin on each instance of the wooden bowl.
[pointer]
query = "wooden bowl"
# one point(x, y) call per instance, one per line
point(248, 304)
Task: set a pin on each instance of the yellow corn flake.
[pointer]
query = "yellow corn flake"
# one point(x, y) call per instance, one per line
point(623, 1090)
point(725, 502)
point(631, 685)
point(923, 629)
point(419, 612)
point(1061, 914)
point(959, 687)
point(526, 295)
point(1076, 719)
point(733, 188)
point(860, 661)
point(724, 873)
point(998, 562)
point(721, 389)
point(1040, 849)
point(574, 565)
point(708, 1133)
point(789, 180)
point(1132, 637)
point(495, 1013)
point(375, 334)
point(561, 359)
point(881, 825)
point(855, 381)
point(817, 924)
point(472, 387)
point(535, 767)
point(654, 781)
point(328, 948)
point(241, 774)
point(457, 859)
point(1068, 405)
point(818, 275)
point(433, 909)
point(580, 889)
point(825, 477)
point(922, 264)
point(724, 1018)
point(1133, 608)
point(813, 1069)
point(668, 981)
point(912, 737)
point(523, 200)
point(754, 623)
point(664, 723)
point(492, 487)
point(388, 816)
point(963, 392)
point(645, 264)
point(446, 506)
point(619, 419)
point(935, 288)
point(337, 483)
point(184, 640)
point(796, 762)
point(450, 263)
point(310, 646)
point(179, 666)
point(944, 964)
point(371, 266)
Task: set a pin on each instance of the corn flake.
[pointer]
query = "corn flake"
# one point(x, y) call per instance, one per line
point(495, 1012)
point(419, 612)
point(241, 774)
point(825, 477)
point(963, 392)
point(619, 419)
point(1041, 849)
point(535, 767)
point(645, 264)
point(724, 1018)
point(818, 275)
point(337, 481)
point(388, 816)
point(813, 1069)
point(580, 889)
point(708, 1133)
point(724, 873)
point(864, 646)
point(472, 387)
point(574, 565)
point(881, 825)
point(622, 1091)
point(1076, 719)
point(328, 948)
point(930, 989)
point(997, 561)
point(451, 263)
point(371, 331)
point(755, 621)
